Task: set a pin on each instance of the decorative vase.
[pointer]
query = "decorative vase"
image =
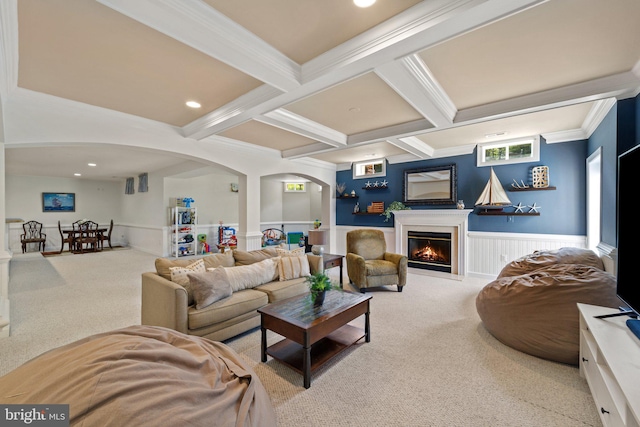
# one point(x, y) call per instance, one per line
point(460, 204)
point(318, 298)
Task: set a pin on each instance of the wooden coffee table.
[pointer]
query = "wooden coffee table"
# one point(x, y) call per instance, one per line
point(313, 335)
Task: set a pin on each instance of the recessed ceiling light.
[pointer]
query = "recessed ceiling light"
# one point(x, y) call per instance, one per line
point(363, 3)
point(193, 104)
point(77, 174)
point(354, 109)
point(92, 164)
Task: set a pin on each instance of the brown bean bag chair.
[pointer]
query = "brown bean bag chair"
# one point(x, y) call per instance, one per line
point(536, 313)
point(546, 258)
point(143, 376)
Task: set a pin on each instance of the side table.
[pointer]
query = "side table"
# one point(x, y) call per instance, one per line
point(331, 261)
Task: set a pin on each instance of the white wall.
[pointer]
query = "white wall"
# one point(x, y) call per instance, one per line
point(95, 200)
point(99, 201)
point(211, 193)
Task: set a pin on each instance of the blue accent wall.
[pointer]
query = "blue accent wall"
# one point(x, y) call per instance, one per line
point(606, 136)
point(562, 211)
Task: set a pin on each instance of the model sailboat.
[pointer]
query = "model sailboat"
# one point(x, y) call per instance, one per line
point(493, 196)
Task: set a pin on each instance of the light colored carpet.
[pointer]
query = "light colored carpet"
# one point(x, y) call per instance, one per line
point(430, 362)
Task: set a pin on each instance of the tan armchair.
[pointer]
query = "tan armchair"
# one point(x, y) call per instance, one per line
point(369, 264)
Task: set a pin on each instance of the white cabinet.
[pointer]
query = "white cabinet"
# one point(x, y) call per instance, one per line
point(610, 361)
point(184, 241)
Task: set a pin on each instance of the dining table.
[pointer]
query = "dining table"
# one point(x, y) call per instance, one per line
point(73, 233)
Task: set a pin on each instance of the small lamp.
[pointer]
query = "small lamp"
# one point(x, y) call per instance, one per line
point(317, 238)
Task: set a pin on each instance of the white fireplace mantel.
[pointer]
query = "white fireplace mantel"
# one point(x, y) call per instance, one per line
point(455, 220)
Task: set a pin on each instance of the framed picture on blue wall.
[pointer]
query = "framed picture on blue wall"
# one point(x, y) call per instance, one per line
point(58, 202)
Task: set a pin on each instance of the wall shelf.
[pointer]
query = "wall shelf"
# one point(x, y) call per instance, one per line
point(347, 197)
point(501, 213)
point(368, 213)
point(376, 188)
point(531, 189)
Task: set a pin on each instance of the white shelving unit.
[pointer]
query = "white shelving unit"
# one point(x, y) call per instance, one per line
point(609, 355)
point(184, 228)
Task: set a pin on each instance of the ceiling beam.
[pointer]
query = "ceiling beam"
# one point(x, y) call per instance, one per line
point(617, 85)
point(295, 123)
point(200, 26)
point(413, 81)
point(417, 28)
point(414, 146)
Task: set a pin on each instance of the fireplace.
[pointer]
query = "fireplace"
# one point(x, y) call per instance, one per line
point(429, 250)
point(451, 221)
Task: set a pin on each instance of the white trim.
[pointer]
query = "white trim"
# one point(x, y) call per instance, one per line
point(597, 114)
point(565, 136)
point(356, 165)
point(412, 80)
point(617, 85)
point(287, 120)
point(455, 219)
point(200, 26)
point(535, 151)
point(8, 46)
point(413, 145)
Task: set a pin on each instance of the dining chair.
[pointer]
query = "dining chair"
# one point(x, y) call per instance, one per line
point(102, 237)
point(68, 239)
point(32, 234)
point(87, 235)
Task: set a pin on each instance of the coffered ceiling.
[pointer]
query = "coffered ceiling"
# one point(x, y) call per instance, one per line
point(326, 80)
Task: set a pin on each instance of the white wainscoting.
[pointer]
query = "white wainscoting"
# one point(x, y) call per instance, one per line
point(489, 252)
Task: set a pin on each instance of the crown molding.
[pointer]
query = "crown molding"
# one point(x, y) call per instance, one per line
point(596, 115)
point(620, 84)
point(565, 136)
point(200, 26)
point(8, 46)
point(295, 123)
point(412, 80)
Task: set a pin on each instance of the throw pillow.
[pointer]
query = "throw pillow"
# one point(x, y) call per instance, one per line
point(209, 287)
point(179, 275)
point(252, 275)
point(285, 252)
point(224, 259)
point(293, 267)
point(249, 257)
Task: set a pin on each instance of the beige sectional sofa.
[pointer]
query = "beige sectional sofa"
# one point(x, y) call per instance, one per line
point(170, 304)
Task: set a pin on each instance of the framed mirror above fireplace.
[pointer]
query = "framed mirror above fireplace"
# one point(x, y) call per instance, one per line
point(435, 185)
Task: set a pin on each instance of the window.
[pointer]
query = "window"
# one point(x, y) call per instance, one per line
point(370, 169)
point(298, 187)
point(508, 152)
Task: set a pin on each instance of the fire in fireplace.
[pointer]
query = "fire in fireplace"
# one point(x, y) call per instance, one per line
point(429, 251)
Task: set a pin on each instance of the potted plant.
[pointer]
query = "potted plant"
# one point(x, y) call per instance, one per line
point(319, 284)
point(393, 206)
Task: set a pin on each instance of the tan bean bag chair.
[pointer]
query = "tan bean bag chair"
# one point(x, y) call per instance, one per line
point(537, 313)
point(143, 376)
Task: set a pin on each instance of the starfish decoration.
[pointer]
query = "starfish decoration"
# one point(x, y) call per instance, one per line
point(368, 184)
point(384, 183)
point(534, 208)
point(519, 208)
point(375, 184)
